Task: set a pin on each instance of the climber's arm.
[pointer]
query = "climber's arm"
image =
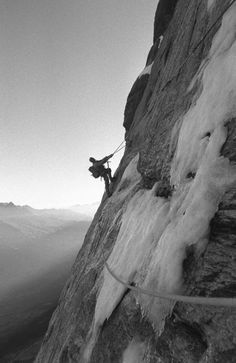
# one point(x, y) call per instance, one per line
point(104, 160)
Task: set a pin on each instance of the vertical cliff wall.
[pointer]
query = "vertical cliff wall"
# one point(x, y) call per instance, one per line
point(169, 226)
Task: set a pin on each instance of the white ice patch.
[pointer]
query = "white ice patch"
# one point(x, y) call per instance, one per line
point(131, 172)
point(142, 225)
point(155, 232)
point(129, 180)
point(147, 70)
point(134, 352)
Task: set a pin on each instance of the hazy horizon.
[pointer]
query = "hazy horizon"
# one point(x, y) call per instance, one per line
point(66, 207)
point(37, 251)
point(66, 69)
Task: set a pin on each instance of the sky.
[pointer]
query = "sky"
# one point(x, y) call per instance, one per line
point(66, 68)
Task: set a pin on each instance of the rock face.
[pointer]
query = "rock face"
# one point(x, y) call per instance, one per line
point(170, 224)
point(134, 99)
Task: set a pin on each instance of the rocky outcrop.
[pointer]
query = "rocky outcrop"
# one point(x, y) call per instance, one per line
point(134, 99)
point(170, 224)
point(164, 13)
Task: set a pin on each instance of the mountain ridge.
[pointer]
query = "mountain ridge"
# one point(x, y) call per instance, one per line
point(85, 211)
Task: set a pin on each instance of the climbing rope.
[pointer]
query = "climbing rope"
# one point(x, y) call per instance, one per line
point(119, 150)
point(120, 147)
point(197, 300)
point(200, 42)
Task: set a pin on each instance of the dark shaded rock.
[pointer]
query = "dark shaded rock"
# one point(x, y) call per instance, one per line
point(181, 342)
point(164, 14)
point(153, 52)
point(106, 350)
point(190, 175)
point(229, 148)
point(133, 100)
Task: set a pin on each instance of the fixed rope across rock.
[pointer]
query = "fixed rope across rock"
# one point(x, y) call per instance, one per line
point(197, 300)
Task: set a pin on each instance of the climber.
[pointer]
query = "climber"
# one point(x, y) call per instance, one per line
point(98, 170)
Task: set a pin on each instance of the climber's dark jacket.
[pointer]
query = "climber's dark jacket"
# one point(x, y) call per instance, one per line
point(99, 170)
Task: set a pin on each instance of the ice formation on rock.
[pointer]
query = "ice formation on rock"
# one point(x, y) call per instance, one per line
point(201, 137)
point(155, 232)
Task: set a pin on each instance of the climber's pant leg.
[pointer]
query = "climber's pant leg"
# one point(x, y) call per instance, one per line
point(106, 179)
point(109, 174)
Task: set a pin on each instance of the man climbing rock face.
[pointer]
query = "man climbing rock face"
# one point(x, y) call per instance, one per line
point(98, 170)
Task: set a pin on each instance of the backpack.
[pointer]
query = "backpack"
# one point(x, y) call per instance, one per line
point(94, 172)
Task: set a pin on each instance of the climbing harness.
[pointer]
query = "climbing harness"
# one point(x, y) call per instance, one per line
point(199, 43)
point(197, 300)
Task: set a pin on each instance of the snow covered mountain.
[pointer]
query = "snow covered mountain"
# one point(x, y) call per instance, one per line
point(169, 226)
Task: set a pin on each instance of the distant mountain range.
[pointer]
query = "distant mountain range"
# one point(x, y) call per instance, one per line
point(33, 239)
point(37, 250)
point(85, 211)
